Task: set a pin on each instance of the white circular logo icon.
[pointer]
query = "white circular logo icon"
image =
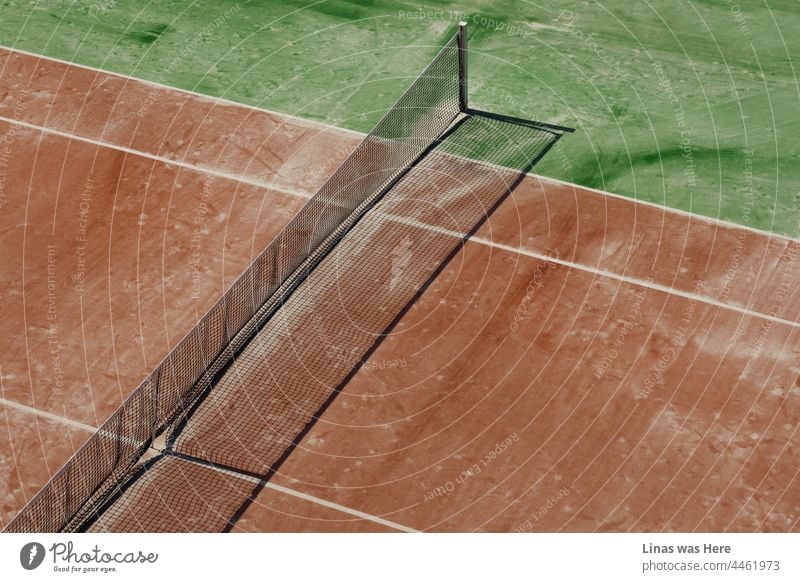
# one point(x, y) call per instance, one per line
point(31, 555)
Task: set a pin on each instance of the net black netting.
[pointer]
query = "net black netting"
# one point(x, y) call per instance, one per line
point(420, 116)
point(322, 333)
point(276, 388)
point(242, 388)
point(169, 494)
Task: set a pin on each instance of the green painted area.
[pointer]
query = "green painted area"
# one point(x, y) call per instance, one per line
point(692, 104)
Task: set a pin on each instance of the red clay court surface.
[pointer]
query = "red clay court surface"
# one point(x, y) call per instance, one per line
point(586, 363)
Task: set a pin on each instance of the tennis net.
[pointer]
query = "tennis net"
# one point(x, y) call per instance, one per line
point(333, 328)
point(428, 132)
point(421, 115)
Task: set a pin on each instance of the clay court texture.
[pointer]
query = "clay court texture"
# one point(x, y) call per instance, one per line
point(586, 361)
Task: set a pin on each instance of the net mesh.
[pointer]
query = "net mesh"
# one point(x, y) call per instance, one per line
point(324, 331)
point(275, 390)
point(170, 494)
point(249, 380)
point(420, 116)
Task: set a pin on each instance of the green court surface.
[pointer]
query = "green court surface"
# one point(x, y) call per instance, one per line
point(692, 104)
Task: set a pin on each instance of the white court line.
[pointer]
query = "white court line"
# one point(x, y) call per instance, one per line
point(668, 210)
point(595, 271)
point(411, 222)
point(268, 485)
point(153, 157)
point(48, 415)
point(342, 508)
point(335, 129)
point(201, 96)
point(303, 496)
point(64, 420)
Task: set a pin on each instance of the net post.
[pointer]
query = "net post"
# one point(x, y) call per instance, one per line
point(462, 65)
point(154, 411)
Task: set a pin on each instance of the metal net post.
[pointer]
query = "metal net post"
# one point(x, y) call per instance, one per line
point(462, 66)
